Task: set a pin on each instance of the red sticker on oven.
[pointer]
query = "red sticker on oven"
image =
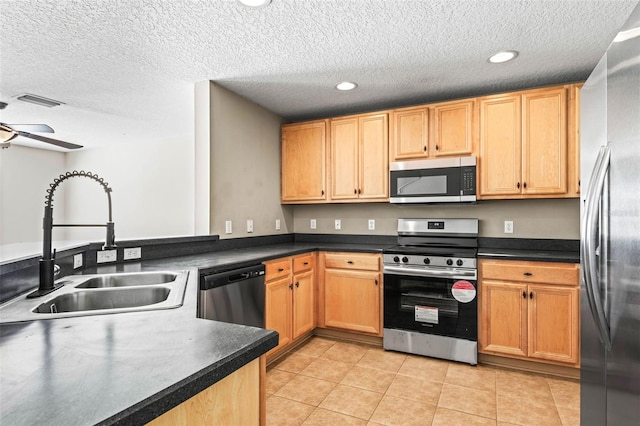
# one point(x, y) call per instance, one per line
point(463, 291)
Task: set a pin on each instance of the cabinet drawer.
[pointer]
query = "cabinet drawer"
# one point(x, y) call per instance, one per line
point(277, 269)
point(368, 262)
point(534, 272)
point(302, 263)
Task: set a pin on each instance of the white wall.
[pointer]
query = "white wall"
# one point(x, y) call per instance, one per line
point(25, 175)
point(153, 189)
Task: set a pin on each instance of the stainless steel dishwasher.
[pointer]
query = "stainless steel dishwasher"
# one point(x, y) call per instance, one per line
point(235, 296)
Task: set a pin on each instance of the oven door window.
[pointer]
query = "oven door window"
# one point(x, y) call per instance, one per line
point(427, 305)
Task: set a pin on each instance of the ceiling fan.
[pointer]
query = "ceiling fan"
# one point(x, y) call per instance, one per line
point(8, 132)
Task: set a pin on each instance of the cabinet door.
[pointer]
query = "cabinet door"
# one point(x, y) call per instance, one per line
point(303, 303)
point(544, 141)
point(374, 157)
point(574, 141)
point(344, 158)
point(454, 128)
point(409, 133)
point(500, 161)
point(352, 300)
point(278, 312)
point(503, 318)
point(553, 323)
point(304, 162)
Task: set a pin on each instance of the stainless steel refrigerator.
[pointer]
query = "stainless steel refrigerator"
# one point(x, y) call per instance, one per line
point(610, 234)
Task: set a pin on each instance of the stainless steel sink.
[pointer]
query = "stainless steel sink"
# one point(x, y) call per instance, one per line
point(98, 300)
point(101, 294)
point(126, 280)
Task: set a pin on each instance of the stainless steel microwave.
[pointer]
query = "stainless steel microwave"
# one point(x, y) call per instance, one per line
point(441, 180)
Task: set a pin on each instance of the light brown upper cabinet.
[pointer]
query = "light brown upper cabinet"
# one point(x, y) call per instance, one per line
point(437, 130)
point(523, 144)
point(359, 158)
point(304, 162)
point(409, 133)
point(454, 128)
point(574, 140)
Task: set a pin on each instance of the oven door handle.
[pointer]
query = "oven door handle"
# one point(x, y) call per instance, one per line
point(423, 272)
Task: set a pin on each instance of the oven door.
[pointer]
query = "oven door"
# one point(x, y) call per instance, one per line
point(438, 302)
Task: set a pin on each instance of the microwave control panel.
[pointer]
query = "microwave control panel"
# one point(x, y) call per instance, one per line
point(468, 180)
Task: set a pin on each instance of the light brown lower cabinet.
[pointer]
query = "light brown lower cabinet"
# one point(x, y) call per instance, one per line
point(530, 310)
point(235, 400)
point(350, 295)
point(290, 298)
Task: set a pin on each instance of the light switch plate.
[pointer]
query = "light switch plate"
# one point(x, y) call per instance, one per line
point(372, 224)
point(132, 253)
point(312, 224)
point(249, 225)
point(277, 224)
point(338, 224)
point(77, 261)
point(105, 256)
point(227, 227)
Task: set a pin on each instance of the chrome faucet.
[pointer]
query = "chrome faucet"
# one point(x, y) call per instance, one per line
point(47, 263)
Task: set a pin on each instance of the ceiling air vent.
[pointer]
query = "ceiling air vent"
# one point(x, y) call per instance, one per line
point(39, 100)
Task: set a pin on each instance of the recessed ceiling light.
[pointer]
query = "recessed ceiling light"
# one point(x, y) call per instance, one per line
point(255, 3)
point(346, 85)
point(503, 56)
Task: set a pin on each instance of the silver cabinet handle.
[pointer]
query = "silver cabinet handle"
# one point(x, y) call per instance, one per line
point(588, 253)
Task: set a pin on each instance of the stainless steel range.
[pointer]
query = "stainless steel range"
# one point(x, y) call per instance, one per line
point(430, 289)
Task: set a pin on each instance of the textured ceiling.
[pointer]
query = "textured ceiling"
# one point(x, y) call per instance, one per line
point(130, 65)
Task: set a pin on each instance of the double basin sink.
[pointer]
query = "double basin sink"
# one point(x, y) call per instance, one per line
point(102, 294)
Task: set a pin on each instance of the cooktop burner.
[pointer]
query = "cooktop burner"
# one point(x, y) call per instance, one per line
point(434, 242)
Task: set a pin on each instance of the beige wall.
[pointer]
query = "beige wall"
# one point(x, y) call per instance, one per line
point(558, 219)
point(244, 167)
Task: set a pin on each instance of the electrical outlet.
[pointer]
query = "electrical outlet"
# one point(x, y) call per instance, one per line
point(249, 225)
point(227, 227)
point(77, 261)
point(105, 256)
point(508, 227)
point(132, 253)
point(338, 224)
point(372, 224)
point(277, 224)
point(312, 224)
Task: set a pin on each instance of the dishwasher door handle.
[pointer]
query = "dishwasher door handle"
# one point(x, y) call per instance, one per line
point(219, 279)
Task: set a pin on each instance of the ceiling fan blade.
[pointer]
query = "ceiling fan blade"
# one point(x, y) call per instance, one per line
point(41, 128)
point(56, 142)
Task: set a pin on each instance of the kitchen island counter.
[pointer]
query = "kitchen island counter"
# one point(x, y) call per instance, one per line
point(125, 368)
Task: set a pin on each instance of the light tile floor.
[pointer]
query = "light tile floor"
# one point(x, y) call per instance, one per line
point(332, 382)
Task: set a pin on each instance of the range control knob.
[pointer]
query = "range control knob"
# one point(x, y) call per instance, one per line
point(396, 259)
point(459, 262)
point(405, 259)
point(427, 261)
point(449, 262)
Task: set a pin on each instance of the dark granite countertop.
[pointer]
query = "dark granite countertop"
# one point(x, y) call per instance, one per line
point(540, 250)
point(125, 368)
point(239, 257)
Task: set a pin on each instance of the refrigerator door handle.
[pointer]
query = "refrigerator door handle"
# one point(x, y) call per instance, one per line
point(590, 226)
